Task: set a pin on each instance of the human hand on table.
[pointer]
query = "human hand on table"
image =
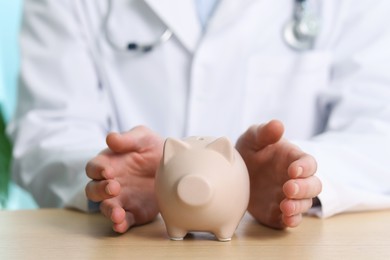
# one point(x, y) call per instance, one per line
point(282, 181)
point(123, 177)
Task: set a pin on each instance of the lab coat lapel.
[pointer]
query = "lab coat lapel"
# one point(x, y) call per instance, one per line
point(181, 17)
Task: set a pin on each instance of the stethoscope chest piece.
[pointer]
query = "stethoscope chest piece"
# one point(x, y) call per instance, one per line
point(301, 32)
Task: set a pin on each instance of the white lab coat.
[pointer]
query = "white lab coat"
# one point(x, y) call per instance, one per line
point(75, 87)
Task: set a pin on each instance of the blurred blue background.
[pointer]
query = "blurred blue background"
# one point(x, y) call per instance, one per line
point(10, 17)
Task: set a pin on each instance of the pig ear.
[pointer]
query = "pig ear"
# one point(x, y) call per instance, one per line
point(173, 146)
point(223, 146)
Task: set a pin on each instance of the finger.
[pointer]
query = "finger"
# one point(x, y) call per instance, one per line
point(121, 219)
point(304, 166)
point(94, 169)
point(292, 221)
point(306, 188)
point(100, 190)
point(133, 140)
point(293, 207)
point(99, 168)
point(113, 210)
point(127, 223)
point(268, 134)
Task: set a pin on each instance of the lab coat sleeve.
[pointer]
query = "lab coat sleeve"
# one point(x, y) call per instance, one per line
point(62, 116)
point(353, 151)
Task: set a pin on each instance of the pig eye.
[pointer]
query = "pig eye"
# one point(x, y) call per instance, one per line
point(200, 138)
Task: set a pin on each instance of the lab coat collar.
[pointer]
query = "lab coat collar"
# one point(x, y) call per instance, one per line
point(181, 17)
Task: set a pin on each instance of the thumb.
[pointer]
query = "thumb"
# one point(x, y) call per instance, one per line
point(268, 134)
point(258, 137)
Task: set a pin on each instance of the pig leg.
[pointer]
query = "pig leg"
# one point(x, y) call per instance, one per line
point(225, 234)
point(176, 233)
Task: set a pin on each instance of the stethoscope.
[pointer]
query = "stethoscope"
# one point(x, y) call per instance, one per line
point(302, 30)
point(299, 33)
point(137, 47)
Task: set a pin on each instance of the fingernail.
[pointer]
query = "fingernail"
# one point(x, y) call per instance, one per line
point(299, 171)
point(108, 191)
point(294, 208)
point(296, 188)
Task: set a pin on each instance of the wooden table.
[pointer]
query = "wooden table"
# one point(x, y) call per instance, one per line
point(65, 234)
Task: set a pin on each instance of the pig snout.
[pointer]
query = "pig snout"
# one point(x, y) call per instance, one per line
point(194, 190)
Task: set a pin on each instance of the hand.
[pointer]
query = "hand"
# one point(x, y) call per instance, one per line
point(123, 177)
point(282, 184)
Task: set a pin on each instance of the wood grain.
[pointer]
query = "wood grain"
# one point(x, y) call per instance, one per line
point(66, 234)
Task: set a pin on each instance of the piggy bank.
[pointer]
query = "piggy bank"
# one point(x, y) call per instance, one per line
point(202, 184)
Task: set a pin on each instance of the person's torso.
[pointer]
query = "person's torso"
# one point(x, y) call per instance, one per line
point(238, 72)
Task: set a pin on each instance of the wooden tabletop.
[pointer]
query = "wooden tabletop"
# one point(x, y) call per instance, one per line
point(66, 234)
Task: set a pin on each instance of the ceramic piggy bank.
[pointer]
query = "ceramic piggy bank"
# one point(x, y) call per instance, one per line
point(202, 185)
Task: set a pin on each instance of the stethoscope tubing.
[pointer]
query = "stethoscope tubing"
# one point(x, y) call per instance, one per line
point(133, 46)
point(299, 33)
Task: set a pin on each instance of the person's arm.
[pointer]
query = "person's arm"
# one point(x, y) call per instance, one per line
point(62, 115)
point(353, 151)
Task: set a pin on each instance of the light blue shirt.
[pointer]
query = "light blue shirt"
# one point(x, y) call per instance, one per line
point(205, 10)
